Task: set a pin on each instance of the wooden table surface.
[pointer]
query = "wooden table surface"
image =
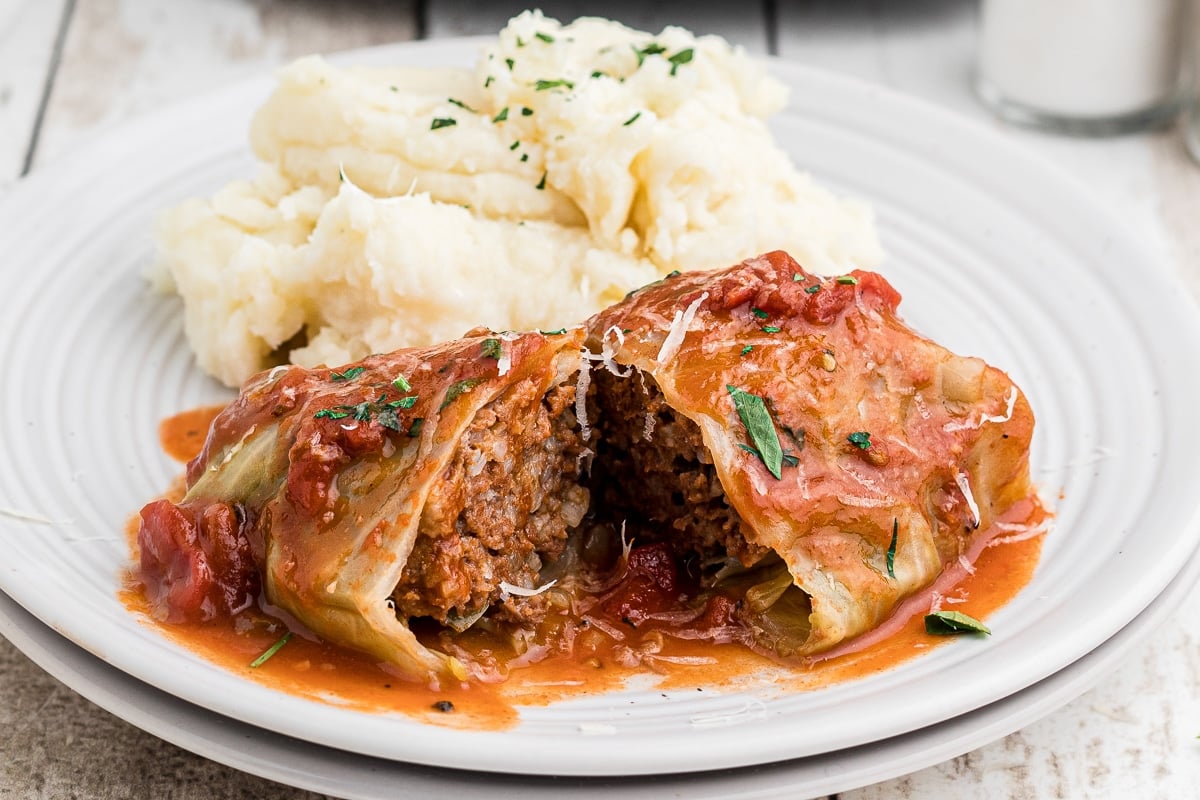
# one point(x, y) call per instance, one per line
point(70, 68)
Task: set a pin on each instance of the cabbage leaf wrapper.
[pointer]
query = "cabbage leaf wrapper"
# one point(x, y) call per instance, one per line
point(423, 483)
point(825, 461)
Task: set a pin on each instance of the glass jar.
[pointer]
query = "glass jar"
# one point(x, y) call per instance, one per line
point(1090, 67)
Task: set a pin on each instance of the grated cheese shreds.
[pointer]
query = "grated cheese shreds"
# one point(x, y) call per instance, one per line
point(964, 484)
point(581, 389)
point(507, 588)
point(679, 329)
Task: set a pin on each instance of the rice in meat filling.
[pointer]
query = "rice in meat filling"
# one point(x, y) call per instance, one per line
point(500, 512)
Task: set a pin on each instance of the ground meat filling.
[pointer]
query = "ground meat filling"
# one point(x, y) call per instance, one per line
point(502, 510)
point(652, 467)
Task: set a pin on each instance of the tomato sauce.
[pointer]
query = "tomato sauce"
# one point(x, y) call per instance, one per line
point(321, 671)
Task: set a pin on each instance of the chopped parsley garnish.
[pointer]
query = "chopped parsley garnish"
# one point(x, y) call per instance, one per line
point(488, 82)
point(770, 329)
point(509, 62)
point(758, 312)
point(860, 439)
point(631, 120)
point(847, 280)
point(816, 287)
point(652, 49)
point(543, 85)
point(272, 650)
point(394, 88)
point(680, 58)
point(442, 122)
point(414, 430)
point(503, 115)
point(673, 274)
point(524, 158)
point(330, 413)
point(458, 389)
point(949, 623)
point(492, 348)
point(460, 104)
point(545, 37)
point(515, 145)
point(558, 332)
point(747, 349)
point(542, 183)
point(520, 42)
point(761, 428)
point(348, 375)
point(891, 553)
point(599, 74)
point(403, 402)
point(526, 112)
point(401, 383)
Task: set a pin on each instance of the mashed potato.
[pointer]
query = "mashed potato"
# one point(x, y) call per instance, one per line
point(400, 207)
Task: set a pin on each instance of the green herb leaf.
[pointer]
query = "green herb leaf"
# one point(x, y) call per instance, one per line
point(816, 287)
point(673, 274)
point(388, 418)
point(442, 122)
point(524, 158)
point(509, 62)
point(515, 145)
point(599, 74)
point(771, 329)
point(402, 384)
point(272, 650)
point(949, 623)
point(403, 402)
point(348, 375)
point(460, 104)
point(860, 439)
point(545, 37)
point(747, 349)
point(631, 120)
point(414, 430)
point(682, 57)
point(458, 389)
point(394, 88)
point(652, 49)
point(758, 312)
point(543, 85)
point(797, 277)
point(362, 412)
point(558, 332)
point(488, 82)
point(761, 428)
point(790, 460)
point(891, 553)
point(330, 413)
point(503, 115)
point(520, 42)
point(847, 280)
point(526, 111)
point(542, 183)
point(492, 348)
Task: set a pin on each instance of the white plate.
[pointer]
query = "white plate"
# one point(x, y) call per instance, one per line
point(321, 769)
point(997, 255)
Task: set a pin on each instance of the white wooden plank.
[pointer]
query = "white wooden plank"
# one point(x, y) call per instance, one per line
point(125, 57)
point(919, 46)
point(28, 32)
point(744, 24)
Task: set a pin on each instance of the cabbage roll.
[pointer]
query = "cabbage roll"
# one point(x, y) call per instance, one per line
point(428, 483)
point(818, 459)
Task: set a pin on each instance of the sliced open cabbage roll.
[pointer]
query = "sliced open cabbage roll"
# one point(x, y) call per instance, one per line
point(824, 460)
point(427, 483)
